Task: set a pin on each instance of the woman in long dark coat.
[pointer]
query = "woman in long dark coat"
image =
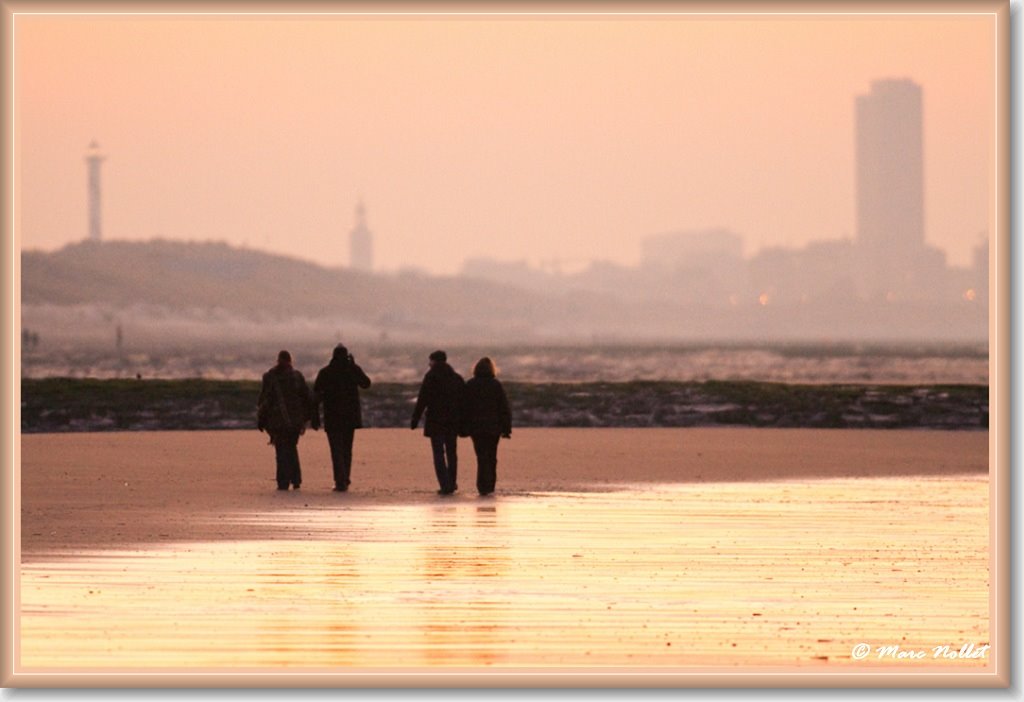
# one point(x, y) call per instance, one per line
point(487, 419)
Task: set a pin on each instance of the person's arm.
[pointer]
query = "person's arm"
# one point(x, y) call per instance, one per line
point(307, 399)
point(318, 388)
point(317, 399)
point(262, 400)
point(465, 407)
point(421, 403)
point(504, 412)
point(263, 406)
point(362, 380)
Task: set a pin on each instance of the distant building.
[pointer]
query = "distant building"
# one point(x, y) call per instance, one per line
point(822, 271)
point(979, 257)
point(691, 249)
point(696, 266)
point(977, 290)
point(93, 161)
point(890, 190)
point(361, 242)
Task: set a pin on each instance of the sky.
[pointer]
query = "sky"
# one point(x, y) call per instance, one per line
point(555, 141)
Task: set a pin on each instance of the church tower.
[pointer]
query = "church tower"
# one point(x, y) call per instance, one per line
point(361, 243)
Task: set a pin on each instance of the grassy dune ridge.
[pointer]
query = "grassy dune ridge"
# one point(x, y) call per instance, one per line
point(75, 405)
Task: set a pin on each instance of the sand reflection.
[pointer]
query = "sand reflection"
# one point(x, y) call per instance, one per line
point(465, 616)
point(743, 574)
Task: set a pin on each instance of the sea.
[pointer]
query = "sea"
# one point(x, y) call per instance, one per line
point(824, 363)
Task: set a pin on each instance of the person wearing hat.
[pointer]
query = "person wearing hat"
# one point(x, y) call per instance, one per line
point(441, 397)
point(284, 407)
point(337, 389)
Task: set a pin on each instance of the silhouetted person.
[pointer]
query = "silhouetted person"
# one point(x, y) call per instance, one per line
point(441, 397)
point(487, 418)
point(337, 388)
point(284, 407)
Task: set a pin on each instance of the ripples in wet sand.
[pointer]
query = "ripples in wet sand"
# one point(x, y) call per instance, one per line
point(681, 577)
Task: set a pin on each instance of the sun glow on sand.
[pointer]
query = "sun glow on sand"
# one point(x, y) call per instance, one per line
point(753, 556)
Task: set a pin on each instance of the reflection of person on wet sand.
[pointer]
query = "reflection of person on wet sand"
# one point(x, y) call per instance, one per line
point(487, 419)
point(284, 407)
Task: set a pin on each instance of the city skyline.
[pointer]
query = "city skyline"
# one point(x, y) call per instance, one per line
point(560, 140)
point(888, 261)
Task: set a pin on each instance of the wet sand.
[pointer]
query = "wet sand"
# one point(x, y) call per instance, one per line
point(674, 549)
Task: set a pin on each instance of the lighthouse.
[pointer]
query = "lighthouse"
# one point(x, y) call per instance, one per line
point(93, 161)
point(361, 242)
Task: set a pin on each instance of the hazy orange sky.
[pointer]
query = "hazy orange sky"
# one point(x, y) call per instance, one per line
point(542, 139)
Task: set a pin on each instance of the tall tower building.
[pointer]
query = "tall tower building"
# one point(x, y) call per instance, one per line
point(93, 160)
point(890, 186)
point(361, 242)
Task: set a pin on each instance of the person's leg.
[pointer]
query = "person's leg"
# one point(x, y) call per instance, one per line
point(293, 457)
point(488, 464)
point(493, 457)
point(334, 441)
point(481, 459)
point(437, 446)
point(451, 447)
point(286, 450)
point(283, 469)
point(348, 435)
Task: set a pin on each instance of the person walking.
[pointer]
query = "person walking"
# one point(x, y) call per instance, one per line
point(441, 398)
point(337, 389)
point(487, 420)
point(284, 407)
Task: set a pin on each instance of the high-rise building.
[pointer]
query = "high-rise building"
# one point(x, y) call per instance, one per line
point(93, 160)
point(361, 242)
point(890, 188)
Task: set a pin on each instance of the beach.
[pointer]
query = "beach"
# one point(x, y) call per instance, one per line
point(678, 549)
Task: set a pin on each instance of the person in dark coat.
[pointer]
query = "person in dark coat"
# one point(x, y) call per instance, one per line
point(487, 418)
point(441, 398)
point(337, 389)
point(284, 408)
